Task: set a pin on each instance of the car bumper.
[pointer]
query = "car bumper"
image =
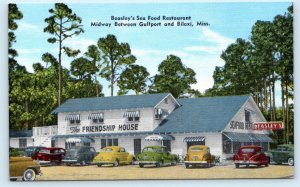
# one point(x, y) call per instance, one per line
point(247, 162)
point(103, 162)
point(42, 162)
point(196, 162)
point(148, 162)
point(69, 161)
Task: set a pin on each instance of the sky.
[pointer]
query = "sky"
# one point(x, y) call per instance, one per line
point(199, 47)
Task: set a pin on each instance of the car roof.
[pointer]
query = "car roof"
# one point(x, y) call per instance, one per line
point(154, 146)
point(202, 146)
point(113, 147)
point(251, 146)
point(52, 148)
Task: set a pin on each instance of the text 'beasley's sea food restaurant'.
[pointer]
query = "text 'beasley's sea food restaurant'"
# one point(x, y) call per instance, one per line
point(134, 121)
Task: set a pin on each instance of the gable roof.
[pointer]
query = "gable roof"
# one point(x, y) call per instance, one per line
point(206, 114)
point(110, 103)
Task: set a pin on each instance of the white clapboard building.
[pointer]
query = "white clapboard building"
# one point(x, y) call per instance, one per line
point(134, 121)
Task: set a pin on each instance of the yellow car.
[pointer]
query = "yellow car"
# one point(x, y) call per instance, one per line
point(114, 155)
point(24, 168)
point(199, 155)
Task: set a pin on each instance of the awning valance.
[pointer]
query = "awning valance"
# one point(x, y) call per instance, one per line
point(194, 139)
point(95, 116)
point(247, 137)
point(131, 114)
point(72, 117)
point(79, 140)
point(156, 137)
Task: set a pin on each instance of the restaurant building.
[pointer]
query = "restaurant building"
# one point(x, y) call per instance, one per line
point(134, 121)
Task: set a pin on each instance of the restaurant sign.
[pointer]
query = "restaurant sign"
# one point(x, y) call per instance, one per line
point(103, 128)
point(275, 125)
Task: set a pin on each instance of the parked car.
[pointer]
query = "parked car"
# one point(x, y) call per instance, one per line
point(251, 155)
point(282, 154)
point(114, 155)
point(79, 155)
point(156, 155)
point(21, 167)
point(32, 150)
point(199, 155)
point(49, 155)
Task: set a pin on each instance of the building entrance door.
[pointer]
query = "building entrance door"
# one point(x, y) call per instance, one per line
point(137, 146)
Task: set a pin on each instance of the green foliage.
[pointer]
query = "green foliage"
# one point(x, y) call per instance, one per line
point(173, 77)
point(116, 57)
point(133, 78)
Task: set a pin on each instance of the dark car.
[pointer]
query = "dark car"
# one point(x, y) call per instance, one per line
point(32, 151)
point(251, 155)
point(49, 155)
point(79, 155)
point(282, 154)
point(156, 155)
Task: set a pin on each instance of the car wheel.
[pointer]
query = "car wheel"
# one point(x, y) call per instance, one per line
point(187, 165)
point(141, 165)
point(158, 164)
point(83, 163)
point(29, 175)
point(267, 165)
point(99, 165)
point(291, 161)
point(116, 163)
point(237, 165)
point(13, 179)
point(132, 161)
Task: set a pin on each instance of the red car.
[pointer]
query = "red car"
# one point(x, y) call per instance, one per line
point(49, 155)
point(251, 155)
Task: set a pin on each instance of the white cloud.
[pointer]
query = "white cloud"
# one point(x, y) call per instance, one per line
point(216, 43)
point(28, 26)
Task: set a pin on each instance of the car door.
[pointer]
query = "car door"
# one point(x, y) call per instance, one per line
point(123, 155)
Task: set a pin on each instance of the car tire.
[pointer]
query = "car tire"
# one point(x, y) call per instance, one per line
point(290, 161)
point(29, 175)
point(141, 165)
point(13, 179)
point(132, 161)
point(116, 163)
point(237, 165)
point(267, 165)
point(187, 165)
point(99, 165)
point(158, 164)
point(83, 163)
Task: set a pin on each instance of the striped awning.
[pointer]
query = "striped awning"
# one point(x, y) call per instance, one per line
point(156, 137)
point(247, 137)
point(131, 114)
point(194, 139)
point(79, 140)
point(72, 117)
point(95, 116)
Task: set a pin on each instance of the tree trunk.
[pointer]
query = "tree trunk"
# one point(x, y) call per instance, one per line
point(274, 105)
point(25, 125)
point(270, 102)
point(287, 112)
point(59, 63)
point(283, 109)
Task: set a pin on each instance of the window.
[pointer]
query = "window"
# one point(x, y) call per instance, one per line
point(158, 113)
point(167, 143)
point(137, 146)
point(22, 143)
point(247, 116)
point(73, 119)
point(96, 117)
point(109, 142)
point(132, 116)
point(166, 100)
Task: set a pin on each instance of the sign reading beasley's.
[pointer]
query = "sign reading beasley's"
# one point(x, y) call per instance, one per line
point(275, 125)
point(104, 128)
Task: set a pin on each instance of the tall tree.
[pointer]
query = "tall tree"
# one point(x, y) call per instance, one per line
point(133, 78)
point(173, 77)
point(62, 24)
point(116, 57)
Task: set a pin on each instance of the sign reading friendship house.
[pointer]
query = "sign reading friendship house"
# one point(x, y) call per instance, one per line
point(104, 128)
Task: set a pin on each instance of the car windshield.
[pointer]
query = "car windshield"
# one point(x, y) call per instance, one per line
point(107, 150)
point(281, 148)
point(196, 149)
point(247, 150)
point(72, 151)
point(30, 151)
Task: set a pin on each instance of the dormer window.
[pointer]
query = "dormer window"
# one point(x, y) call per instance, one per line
point(74, 119)
point(158, 113)
point(96, 117)
point(247, 116)
point(166, 100)
point(132, 116)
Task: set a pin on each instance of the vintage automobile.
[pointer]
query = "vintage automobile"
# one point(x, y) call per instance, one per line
point(21, 167)
point(113, 155)
point(251, 155)
point(156, 155)
point(282, 154)
point(199, 155)
point(49, 155)
point(32, 150)
point(82, 155)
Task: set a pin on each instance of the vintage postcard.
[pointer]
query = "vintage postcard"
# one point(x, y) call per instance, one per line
point(133, 91)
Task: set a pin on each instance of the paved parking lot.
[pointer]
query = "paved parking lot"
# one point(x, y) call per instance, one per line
point(93, 172)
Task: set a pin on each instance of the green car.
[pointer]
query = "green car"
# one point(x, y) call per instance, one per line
point(156, 155)
point(282, 154)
